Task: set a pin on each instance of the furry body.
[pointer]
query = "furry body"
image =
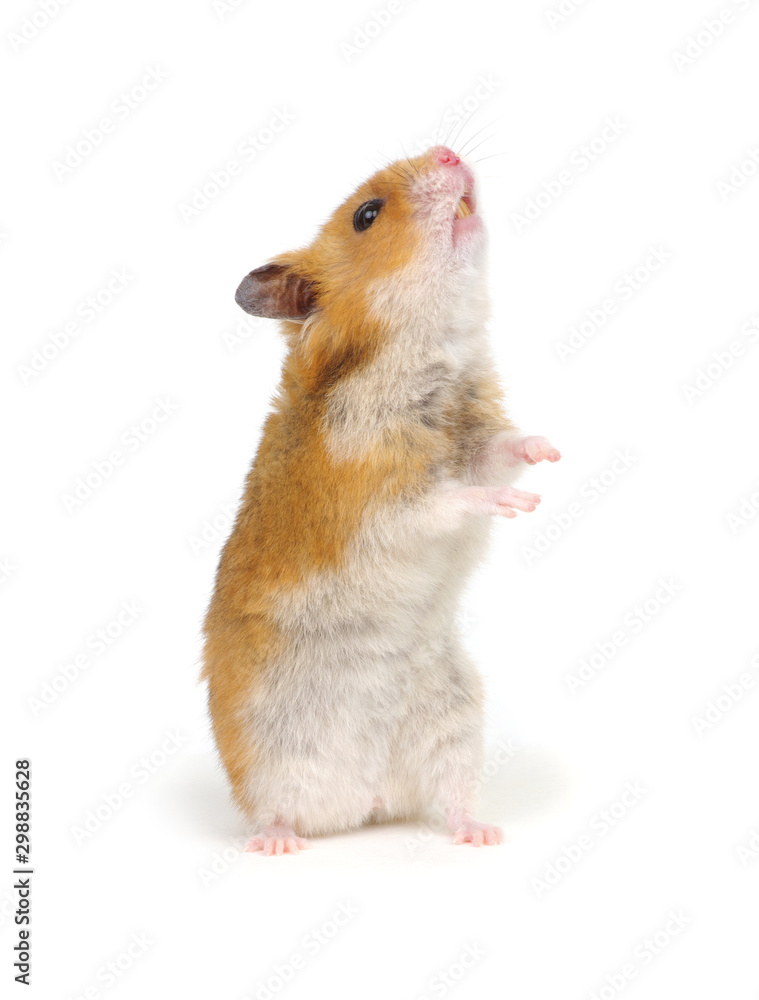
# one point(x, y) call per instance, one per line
point(338, 689)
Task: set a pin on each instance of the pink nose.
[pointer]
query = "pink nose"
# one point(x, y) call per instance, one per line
point(446, 157)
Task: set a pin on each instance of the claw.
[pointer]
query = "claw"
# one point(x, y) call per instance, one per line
point(534, 449)
point(478, 834)
point(276, 840)
point(508, 501)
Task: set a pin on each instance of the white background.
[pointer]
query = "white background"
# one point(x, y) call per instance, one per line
point(571, 906)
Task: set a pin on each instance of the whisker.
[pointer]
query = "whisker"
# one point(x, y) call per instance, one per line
point(408, 160)
point(384, 161)
point(397, 169)
point(448, 133)
point(488, 157)
point(461, 151)
point(394, 168)
point(439, 129)
point(478, 144)
point(465, 121)
point(458, 127)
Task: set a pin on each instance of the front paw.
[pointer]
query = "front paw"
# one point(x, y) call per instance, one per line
point(534, 449)
point(506, 501)
point(500, 500)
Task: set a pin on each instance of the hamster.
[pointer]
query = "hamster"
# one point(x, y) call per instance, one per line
point(339, 692)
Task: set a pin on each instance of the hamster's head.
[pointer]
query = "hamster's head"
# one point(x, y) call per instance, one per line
point(405, 249)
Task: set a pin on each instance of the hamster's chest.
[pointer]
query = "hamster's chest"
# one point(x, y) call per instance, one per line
point(416, 402)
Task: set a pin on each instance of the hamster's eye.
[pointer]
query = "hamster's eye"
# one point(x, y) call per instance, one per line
point(366, 214)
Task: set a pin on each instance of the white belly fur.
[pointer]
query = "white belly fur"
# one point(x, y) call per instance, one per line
point(375, 698)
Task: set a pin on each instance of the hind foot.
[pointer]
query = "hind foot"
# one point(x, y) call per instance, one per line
point(466, 830)
point(477, 834)
point(277, 840)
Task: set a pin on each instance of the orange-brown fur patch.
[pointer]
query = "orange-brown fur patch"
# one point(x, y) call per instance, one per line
point(235, 653)
point(302, 505)
point(300, 510)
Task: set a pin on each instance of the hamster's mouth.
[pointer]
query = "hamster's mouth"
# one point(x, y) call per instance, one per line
point(465, 206)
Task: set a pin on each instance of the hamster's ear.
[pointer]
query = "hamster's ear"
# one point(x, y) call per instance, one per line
point(277, 291)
